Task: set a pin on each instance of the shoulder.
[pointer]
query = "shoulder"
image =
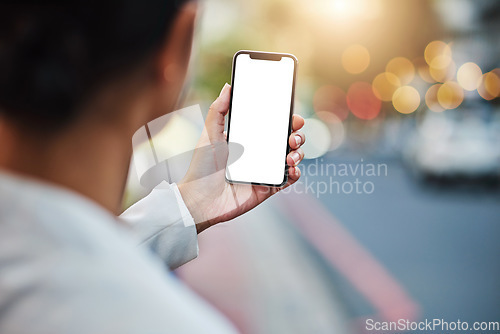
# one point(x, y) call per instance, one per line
point(121, 289)
point(66, 267)
point(75, 293)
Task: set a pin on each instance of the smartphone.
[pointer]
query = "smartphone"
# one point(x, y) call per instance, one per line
point(260, 117)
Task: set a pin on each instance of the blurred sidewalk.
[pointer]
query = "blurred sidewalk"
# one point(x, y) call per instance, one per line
point(260, 273)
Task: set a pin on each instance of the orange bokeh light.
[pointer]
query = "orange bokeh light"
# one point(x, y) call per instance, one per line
point(450, 95)
point(384, 85)
point(442, 68)
point(355, 59)
point(402, 68)
point(489, 87)
point(431, 98)
point(435, 49)
point(406, 99)
point(423, 70)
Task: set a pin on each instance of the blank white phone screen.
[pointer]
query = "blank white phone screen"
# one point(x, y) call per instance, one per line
point(260, 113)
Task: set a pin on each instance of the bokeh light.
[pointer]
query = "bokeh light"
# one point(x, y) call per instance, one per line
point(431, 98)
point(492, 82)
point(423, 69)
point(406, 99)
point(469, 75)
point(450, 95)
point(442, 68)
point(437, 55)
point(435, 49)
point(362, 101)
point(402, 68)
point(318, 138)
point(331, 99)
point(384, 85)
point(355, 59)
point(353, 10)
point(336, 127)
point(489, 85)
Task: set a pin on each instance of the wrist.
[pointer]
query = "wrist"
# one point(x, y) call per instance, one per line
point(194, 206)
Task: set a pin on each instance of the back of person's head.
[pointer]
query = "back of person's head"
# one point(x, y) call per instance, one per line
point(54, 56)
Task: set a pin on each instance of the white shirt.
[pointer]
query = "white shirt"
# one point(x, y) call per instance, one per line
point(68, 266)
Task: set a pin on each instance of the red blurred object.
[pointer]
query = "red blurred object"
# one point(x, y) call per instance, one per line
point(362, 101)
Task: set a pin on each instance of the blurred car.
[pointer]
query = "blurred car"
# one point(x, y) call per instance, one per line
point(459, 143)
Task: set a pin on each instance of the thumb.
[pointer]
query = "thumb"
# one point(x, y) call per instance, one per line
point(214, 123)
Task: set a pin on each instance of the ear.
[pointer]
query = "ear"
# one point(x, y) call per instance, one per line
point(173, 59)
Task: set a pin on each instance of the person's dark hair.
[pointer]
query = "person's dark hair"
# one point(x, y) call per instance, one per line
point(52, 55)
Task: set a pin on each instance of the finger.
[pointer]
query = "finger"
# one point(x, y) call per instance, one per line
point(293, 176)
point(296, 139)
point(297, 122)
point(295, 157)
point(214, 123)
point(265, 192)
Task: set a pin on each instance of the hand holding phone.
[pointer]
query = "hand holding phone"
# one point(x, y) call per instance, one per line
point(205, 190)
point(260, 117)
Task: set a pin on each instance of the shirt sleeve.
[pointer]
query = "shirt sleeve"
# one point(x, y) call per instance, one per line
point(162, 222)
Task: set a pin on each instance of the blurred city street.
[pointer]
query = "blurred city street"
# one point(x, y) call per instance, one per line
point(438, 245)
point(397, 213)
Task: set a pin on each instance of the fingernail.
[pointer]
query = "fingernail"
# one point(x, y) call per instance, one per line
point(296, 170)
point(298, 140)
point(224, 88)
point(295, 157)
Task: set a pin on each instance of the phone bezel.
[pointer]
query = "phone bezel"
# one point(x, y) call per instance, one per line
point(271, 56)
